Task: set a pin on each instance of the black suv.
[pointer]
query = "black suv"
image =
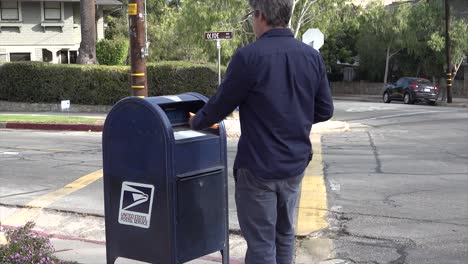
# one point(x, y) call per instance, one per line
point(410, 90)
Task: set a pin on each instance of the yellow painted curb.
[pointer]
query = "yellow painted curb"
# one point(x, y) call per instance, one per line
point(313, 200)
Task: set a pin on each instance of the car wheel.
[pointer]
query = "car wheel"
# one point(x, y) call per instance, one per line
point(386, 98)
point(432, 103)
point(407, 99)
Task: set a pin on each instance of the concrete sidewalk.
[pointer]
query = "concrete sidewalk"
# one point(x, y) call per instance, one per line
point(95, 253)
point(231, 123)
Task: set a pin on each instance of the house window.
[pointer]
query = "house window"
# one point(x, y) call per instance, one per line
point(52, 11)
point(9, 11)
point(63, 56)
point(67, 56)
point(46, 55)
point(73, 56)
point(20, 56)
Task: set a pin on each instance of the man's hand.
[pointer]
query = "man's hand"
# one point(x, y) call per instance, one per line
point(192, 116)
point(190, 121)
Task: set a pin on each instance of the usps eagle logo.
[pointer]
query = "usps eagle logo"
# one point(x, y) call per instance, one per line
point(136, 202)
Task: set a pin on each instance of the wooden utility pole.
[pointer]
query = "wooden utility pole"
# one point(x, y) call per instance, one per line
point(137, 16)
point(450, 76)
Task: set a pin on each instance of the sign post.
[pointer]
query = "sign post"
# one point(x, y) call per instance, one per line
point(65, 106)
point(218, 36)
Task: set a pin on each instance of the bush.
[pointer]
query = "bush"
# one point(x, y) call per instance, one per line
point(25, 247)
point(112, 52)
point(178, 77)
point(35, 82)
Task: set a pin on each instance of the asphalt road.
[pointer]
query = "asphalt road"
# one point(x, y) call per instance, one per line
point(397, 188)
point(397, 181)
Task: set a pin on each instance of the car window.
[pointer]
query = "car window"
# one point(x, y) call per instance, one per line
point(422, 81)
point(400, 82)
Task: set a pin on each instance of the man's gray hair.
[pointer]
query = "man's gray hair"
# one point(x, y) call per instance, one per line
point(277, 12)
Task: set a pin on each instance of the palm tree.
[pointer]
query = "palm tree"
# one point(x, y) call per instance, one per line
point(87, 51)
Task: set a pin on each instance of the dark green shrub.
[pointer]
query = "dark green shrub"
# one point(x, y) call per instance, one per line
point(175, 77)
point(112, 52)
point(35, 82)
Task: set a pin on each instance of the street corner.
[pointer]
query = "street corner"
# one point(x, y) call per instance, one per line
point(331, 126)
point(314, 250)
point(232, 126)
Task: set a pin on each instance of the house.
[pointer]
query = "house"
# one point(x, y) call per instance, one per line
point(49, 31)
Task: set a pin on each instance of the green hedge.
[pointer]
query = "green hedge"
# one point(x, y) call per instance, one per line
point(36, 82)
point(112, 52)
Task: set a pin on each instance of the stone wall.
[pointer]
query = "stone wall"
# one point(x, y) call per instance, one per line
point(38, 107)
point(357, 88)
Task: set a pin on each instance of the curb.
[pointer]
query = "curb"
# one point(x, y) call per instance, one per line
point(39, 126)
point(377, 99)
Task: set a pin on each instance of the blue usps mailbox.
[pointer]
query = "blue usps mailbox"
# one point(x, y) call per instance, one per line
point(165, 185)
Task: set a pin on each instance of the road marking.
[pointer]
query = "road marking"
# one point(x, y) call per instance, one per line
point(34, 207)
point(9, 153)
point(45, 150)
point(399, 115)
point(313, 199)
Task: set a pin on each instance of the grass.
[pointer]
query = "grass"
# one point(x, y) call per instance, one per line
point(47, 119)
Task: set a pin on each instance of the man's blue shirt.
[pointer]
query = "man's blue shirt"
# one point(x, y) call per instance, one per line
point(281, 88)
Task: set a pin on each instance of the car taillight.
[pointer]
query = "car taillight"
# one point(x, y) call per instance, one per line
point(436, 88)
point(414, 86)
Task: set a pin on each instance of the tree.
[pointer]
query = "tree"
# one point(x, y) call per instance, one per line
point(425, 37)
point(459, 37)
point(338, 21)
point(301, 15)
point(87, 51)
point(385, 26)
point(179, 35)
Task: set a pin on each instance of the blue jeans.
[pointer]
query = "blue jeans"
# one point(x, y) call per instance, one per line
point(266, 213)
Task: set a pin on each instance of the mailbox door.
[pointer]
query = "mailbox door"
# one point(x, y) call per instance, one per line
point(201, 214)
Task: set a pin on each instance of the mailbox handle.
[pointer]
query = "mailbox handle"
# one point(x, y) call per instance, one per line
point(198, 174)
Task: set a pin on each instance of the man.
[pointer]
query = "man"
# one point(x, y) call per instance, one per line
point(281, 88)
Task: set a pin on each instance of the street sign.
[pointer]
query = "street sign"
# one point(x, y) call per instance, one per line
point(219, 35)
point(65, 105)
point(313, 37)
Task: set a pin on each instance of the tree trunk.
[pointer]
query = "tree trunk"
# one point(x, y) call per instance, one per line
point(418, 70)
point(387, 61)
point(87, 51)
point(292, 15)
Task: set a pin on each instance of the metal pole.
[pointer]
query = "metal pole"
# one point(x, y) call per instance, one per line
point(448, 51)
point(137, 19)
point(218, 45)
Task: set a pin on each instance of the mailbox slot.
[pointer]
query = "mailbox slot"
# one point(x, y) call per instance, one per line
point(178, 113)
